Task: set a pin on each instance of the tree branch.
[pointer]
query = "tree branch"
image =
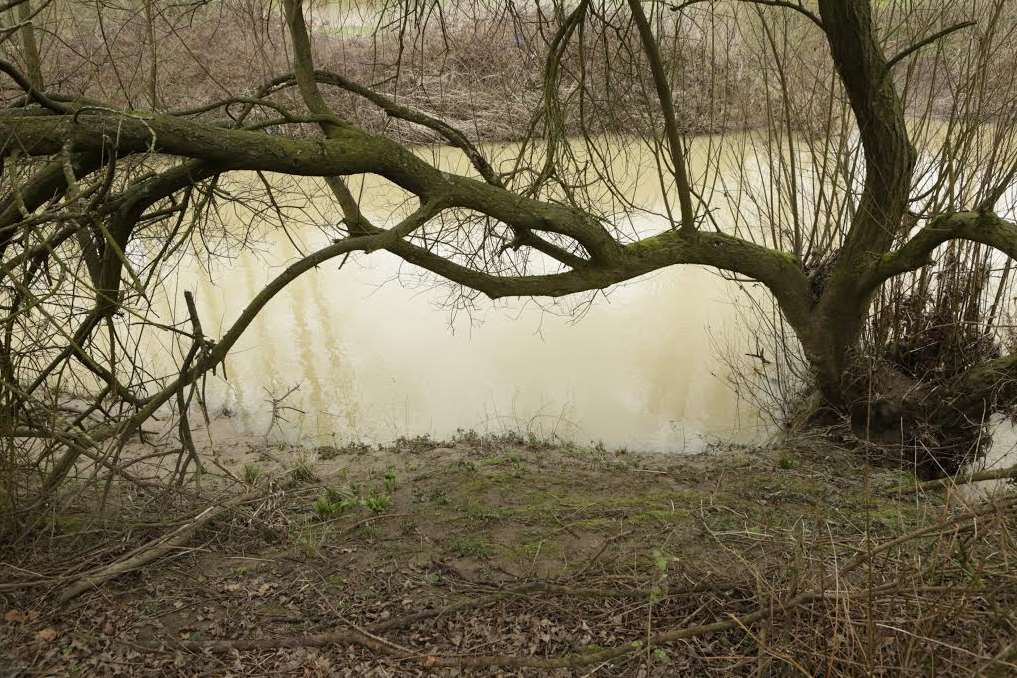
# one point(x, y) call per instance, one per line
point(356, 153)
point(80, 440)
point(889, 156)
point(401, 112)
point(674, 139)
point(795, 7)
point(30, 89)
point(925, 42)
point(981, 227)
point(353, 152)
point(10, 5)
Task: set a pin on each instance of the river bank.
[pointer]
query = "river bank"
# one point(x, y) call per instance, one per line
point(481, 69)
point(501, 556)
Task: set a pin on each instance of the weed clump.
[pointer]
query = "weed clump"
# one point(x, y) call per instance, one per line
point(333, 502)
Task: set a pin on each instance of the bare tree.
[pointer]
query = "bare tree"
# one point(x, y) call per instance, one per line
point(877, 134)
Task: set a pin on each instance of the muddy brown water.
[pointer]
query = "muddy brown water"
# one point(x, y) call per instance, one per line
point(376, 352)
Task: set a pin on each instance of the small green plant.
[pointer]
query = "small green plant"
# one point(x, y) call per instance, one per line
point(469, 437)
point(323, 507)
point(378, 503)
point(252, 473)
point(310, 538)
point(333, 503)
point(390, 480)
point(336, 502)
point(467, 547)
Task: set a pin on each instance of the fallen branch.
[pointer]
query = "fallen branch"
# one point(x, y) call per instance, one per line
point(941, 483)
point(155, 549)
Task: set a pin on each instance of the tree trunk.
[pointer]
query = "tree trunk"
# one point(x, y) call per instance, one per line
point(33, 62)
point(932, 422)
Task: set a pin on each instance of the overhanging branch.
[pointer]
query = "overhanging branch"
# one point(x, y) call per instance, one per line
point(982, 227)
point(351, 152)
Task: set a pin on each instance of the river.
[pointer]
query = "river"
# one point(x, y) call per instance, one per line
point(372, 351)
point(376, 353)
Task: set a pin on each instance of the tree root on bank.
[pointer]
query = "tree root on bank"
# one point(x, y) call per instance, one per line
point(154, 549)
point(770, 607)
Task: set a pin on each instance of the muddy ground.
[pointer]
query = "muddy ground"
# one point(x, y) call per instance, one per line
point(424, 553)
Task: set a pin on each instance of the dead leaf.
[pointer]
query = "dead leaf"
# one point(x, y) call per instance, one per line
point(14, 616)
point(47, 635)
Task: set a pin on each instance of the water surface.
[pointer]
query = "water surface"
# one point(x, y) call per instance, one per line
point(376, 353)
